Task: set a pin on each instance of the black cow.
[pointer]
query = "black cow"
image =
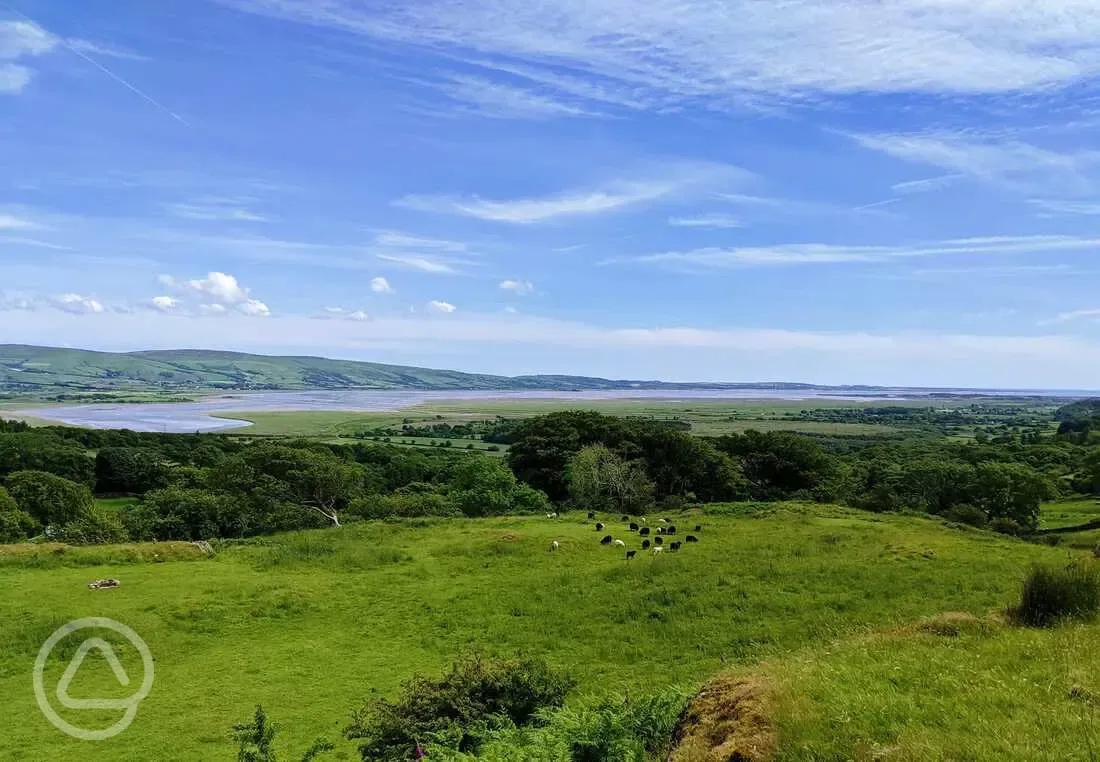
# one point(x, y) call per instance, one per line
point(630, 554)
point(625, 518)
point(674, 546)
point(606, 540)
point(644, 531)
point(698, 527)
point(599, 527)
point(660, 530)
point(659, 540)
point(692, 538)
point(671, 530)
point(591, 515)
point(645, 544)
point(633, 527)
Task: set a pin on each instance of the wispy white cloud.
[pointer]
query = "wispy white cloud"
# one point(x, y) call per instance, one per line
point(926, 185)
point(419, 262)
point(715, 220)
point(822, 253)
point(1063, 207)
point(78, 304)
point(742, 51)
point(12, 222)
point(1087, 314)
point(393, 239)
point(380, 285)
point(991, 159)
point(103, 50)
point(164, 303)
point(444, 307)
point(22, 38)
point(518, 287)
point(215, 211)
point(668, 181)
point(487, 97)
point(13, 78)
point(530, 210)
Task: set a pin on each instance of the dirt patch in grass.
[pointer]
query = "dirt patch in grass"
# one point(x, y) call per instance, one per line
point(728, 721)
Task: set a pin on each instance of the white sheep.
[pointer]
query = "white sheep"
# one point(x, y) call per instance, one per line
point(619, 543)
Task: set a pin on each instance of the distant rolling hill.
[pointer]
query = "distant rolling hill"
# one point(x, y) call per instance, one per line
point(32, 369)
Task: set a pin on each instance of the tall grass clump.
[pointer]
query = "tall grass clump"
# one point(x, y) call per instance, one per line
point(1053, 594)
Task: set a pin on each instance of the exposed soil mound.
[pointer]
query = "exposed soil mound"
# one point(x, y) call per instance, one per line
point(727, 722)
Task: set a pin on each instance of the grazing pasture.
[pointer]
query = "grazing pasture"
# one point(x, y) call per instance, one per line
point(312, 624)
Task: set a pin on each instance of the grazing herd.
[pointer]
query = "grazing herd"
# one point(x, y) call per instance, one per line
point(654, 543)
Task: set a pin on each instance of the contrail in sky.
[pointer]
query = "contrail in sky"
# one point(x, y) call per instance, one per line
point(102, 68)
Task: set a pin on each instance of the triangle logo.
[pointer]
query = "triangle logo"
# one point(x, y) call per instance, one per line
point(70, 672)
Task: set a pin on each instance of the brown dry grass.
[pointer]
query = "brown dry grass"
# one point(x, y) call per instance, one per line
point(728, 721)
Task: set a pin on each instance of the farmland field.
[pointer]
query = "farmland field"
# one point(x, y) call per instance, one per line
point(709, 418)
point(312, 624)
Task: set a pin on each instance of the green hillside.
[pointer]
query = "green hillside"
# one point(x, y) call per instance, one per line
point(312, 624)
point(29, 369)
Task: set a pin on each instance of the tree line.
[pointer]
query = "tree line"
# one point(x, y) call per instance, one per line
point(202, 486)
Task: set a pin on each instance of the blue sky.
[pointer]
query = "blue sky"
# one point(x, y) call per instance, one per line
point(832, 191)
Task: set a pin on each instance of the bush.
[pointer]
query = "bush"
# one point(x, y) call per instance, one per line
point(50, 499)
point(94, 527)
point(966, 514)
point(403, 504)
point(1006, 526)
point(460, 710)
point(1052, 594)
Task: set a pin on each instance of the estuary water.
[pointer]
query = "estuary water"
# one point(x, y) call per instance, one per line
point(190, 417)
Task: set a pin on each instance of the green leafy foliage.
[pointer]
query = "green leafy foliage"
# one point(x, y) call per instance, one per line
point(460, 710)
point(49, 499)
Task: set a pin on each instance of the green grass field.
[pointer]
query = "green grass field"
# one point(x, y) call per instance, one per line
point(961, 689)
point(312, 624)
point(707, 417)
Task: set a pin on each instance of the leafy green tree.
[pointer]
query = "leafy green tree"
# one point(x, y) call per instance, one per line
point(129, 470)
point(50, 499)
point(1012, 491)
point(779, 464)
point(483, 486)
point(600, 479)
point(1090, 472)
point(93, 528)
point(32, 451)
point(15, 525)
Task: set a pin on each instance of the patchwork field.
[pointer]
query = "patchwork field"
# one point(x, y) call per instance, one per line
point(312, 624)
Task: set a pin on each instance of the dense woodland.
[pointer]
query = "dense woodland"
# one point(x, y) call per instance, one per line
point(192, 487)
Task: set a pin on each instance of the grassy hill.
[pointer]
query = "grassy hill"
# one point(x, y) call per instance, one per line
point(312, 624)
point(30, 369)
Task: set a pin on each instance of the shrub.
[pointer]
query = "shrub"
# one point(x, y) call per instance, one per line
point(94, 527)
point(1052, 594)
point(256, 741)
point(460, 710)
point(966, 514)
point(1006, 526)
point(50, 499)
